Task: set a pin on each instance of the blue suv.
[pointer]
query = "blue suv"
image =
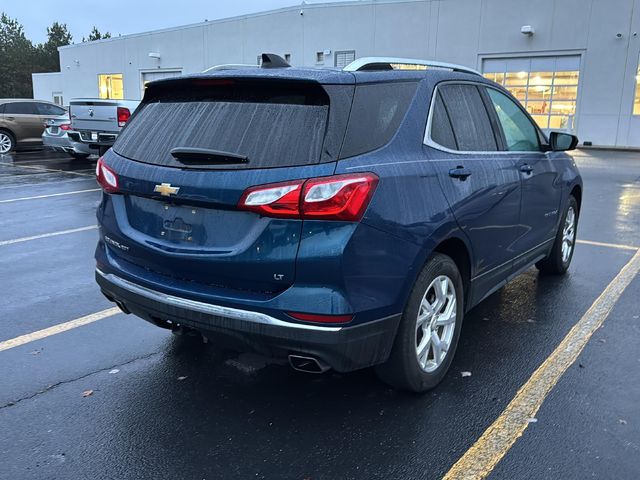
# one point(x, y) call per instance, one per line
point(338, 218)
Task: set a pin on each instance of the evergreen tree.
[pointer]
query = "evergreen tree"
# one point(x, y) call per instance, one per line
point(57, 36)
point(17, 56)
point(96, 35)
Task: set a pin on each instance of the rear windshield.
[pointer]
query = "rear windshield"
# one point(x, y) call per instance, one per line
point(267, 124)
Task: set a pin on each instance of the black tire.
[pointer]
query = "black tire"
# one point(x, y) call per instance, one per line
point(8, 136)
point(402, 370)
point(78, 156)
point(555, 264)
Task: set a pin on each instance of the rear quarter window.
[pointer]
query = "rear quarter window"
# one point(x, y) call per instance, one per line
point(441, 130)
point(375, 116)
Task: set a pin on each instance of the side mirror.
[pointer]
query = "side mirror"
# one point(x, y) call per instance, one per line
point(559, 142)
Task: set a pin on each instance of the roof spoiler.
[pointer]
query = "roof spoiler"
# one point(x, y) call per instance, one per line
point(271, 60)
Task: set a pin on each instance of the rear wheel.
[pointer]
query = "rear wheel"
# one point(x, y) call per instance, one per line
point(561, 253)
point(7, 142)
point(429, 330)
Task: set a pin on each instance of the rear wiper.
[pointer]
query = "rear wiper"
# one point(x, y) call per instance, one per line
point(204, 156)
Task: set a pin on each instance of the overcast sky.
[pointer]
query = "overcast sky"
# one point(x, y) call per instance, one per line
point(126, 16)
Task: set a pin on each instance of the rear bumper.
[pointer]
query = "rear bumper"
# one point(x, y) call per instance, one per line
point(104, 139)
point(65, 144)
point(344, 348)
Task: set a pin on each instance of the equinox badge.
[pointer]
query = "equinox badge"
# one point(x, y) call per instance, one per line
point(165, 189)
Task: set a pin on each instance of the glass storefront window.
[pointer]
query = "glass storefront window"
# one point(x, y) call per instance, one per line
point(560, 122)
point(539, 92)
point(496, 77)
point(515, 78)
point(566, 78)
point(519, 92)
point(565, 108)
point(636, 100)
point(541, 120)
point(111, 85)
point(538, 107)
point(540, 78)
point(549, 96)
point(565, 92)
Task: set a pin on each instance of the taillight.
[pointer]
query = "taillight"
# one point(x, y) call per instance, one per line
point(106, 177)
point(65, 127)
point(315, 318)
point(340, 197)
point(123, 116)
point(281, 200)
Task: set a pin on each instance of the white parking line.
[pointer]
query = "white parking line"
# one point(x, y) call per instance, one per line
point(54, 330)
point(49, 195)
point(42, 169)
point(44, 184)
point(45, 235)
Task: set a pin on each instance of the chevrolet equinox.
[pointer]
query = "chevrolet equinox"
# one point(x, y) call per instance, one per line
point(338, 218)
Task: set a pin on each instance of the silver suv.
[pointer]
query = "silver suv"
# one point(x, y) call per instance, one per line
point(22, 121)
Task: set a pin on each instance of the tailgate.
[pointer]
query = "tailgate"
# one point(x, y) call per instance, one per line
point(95, 116)
point(179, 217)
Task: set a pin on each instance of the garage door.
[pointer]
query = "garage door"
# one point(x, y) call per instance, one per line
point(546, 86)
point(157, 75)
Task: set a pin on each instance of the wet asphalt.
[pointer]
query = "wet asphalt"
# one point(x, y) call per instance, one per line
point(170, 407)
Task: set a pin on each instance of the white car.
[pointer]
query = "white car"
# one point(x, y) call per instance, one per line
point(56, 137)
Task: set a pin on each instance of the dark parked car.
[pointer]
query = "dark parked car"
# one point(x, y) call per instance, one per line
point(342, 219)
point(22, 122)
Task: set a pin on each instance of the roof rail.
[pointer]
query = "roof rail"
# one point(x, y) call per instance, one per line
point(387, 63)
point(229, 66)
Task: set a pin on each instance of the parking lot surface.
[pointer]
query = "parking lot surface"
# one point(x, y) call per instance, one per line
point(119, 398)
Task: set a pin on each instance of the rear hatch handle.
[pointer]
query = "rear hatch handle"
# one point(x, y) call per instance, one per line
point(203, 156)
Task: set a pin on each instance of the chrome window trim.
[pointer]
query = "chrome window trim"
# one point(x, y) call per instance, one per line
point(427, 140)
point(208, 308)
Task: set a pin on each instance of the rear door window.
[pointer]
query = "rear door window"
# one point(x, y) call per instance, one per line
point(469, 118)
point(271, 125)
point(48, 109)
point(519, 132)
point(20, 108)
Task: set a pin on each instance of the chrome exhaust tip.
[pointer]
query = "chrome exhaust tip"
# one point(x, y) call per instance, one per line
point(307, 364)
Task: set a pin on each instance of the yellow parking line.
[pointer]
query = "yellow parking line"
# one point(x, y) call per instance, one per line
point(495, 442)
point(49, 195)
point(45, 235)
point(62, 327)
point(608, 245)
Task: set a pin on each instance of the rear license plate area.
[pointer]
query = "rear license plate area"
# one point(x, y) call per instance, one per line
point(178, 224)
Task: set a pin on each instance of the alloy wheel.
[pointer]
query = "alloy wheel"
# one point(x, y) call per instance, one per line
point(436, 323)
point(5, 143)
point(568, 234)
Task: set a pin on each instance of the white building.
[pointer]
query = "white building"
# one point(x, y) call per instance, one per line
point(573, 63)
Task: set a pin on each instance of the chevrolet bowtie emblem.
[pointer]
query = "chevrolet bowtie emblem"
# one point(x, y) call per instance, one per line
point(165, 189)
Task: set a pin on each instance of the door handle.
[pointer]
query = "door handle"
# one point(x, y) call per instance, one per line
point(460, 173)
point(526, 168)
